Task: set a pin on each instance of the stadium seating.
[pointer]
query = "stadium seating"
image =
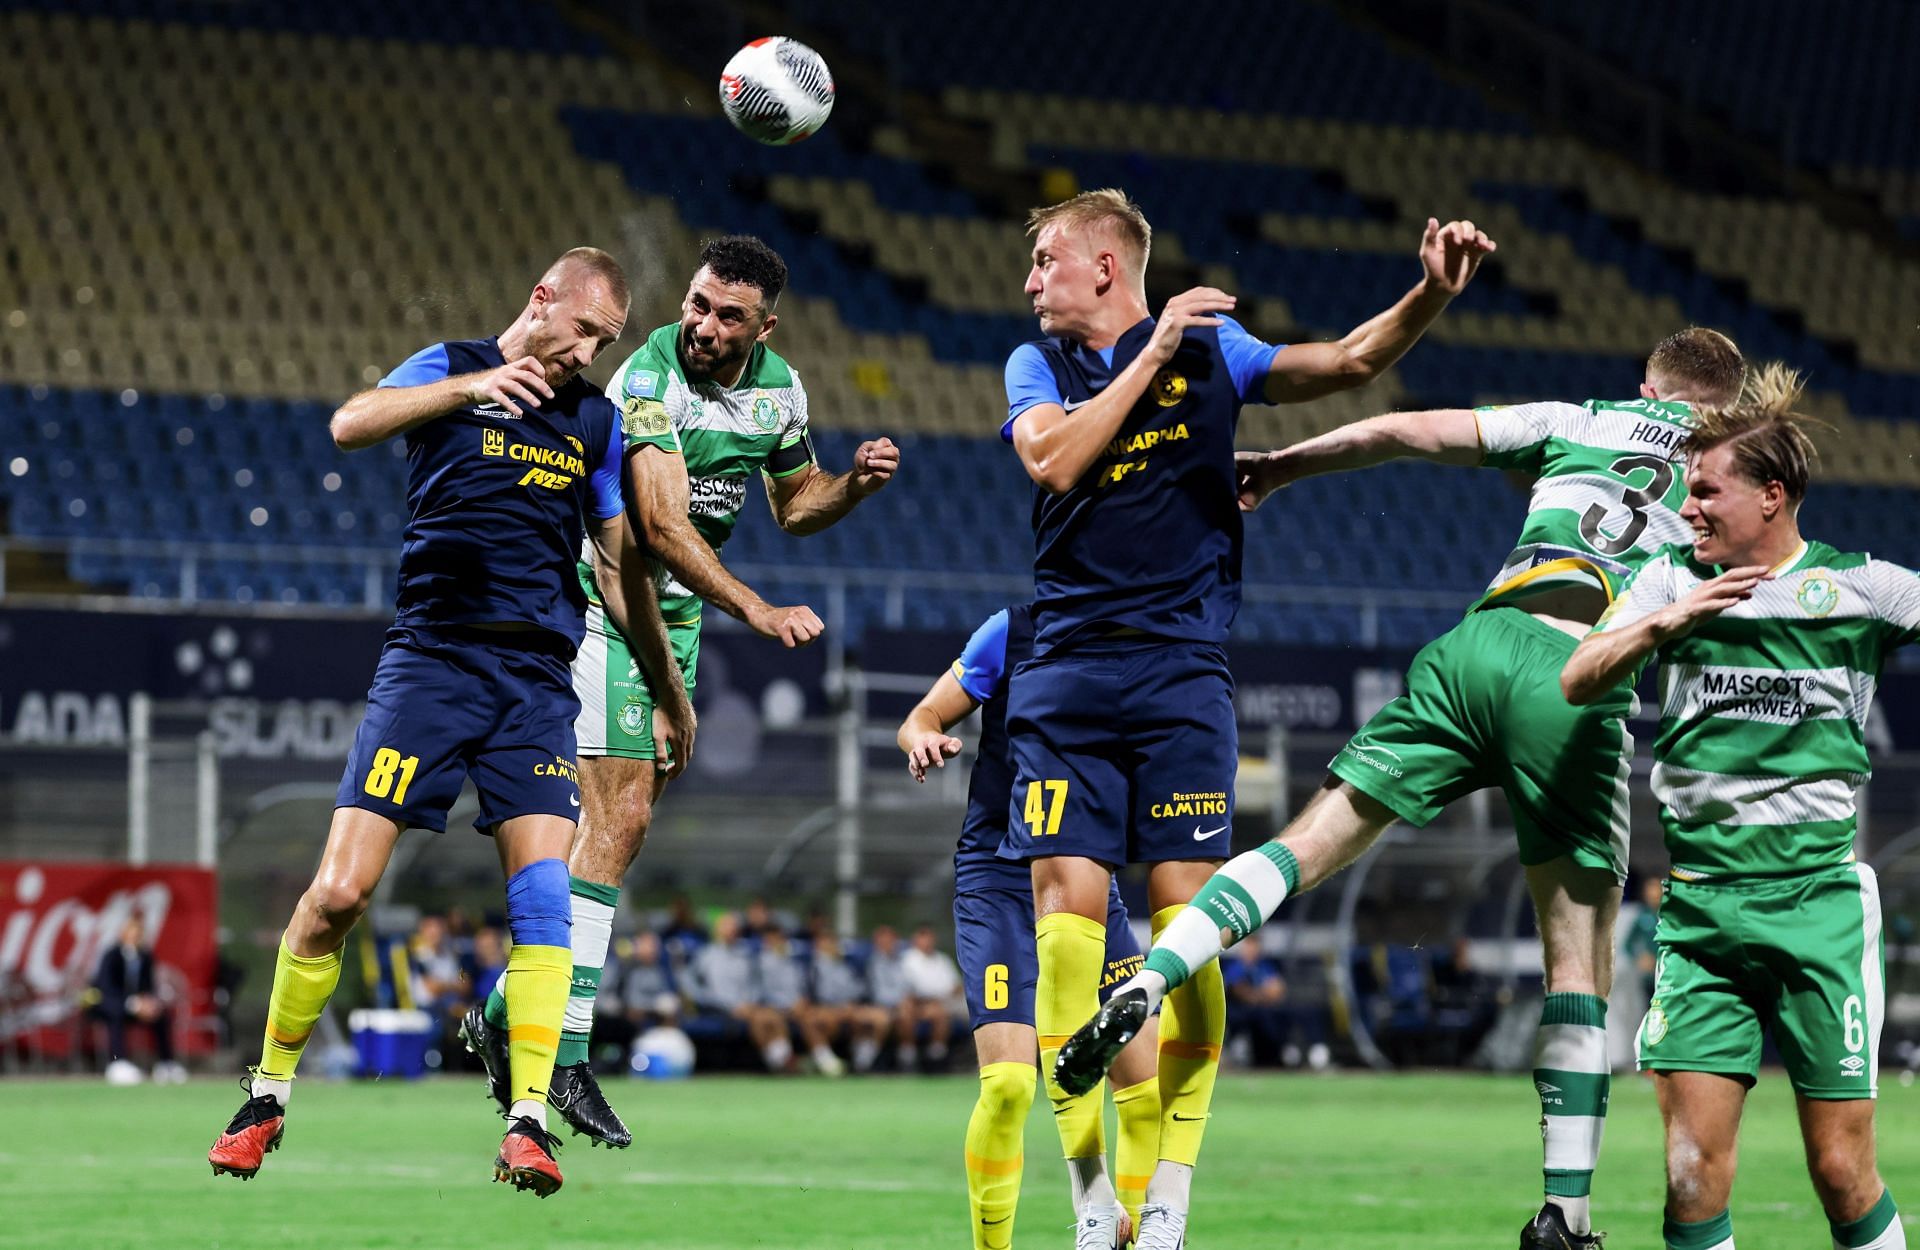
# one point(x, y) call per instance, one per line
point(168, 371)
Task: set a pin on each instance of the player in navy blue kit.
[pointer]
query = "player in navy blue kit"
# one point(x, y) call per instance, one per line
point(509, 451)
point(1121, 721)
point(993, 939)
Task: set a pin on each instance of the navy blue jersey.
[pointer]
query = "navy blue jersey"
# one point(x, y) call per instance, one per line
point(1150, 537)
point(983, 669)
point(498, 502)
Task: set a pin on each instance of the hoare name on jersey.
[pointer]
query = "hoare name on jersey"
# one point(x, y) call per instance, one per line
point(1132, 445)
point(1658, 434)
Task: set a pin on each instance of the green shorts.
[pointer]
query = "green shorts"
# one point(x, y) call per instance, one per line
point(1800, 958)
point(616, 706)
point(1483, 708)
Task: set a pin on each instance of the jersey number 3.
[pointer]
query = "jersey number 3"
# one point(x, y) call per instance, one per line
point(1636, 503)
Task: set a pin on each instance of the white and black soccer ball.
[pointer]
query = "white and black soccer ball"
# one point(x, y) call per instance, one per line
point(776, 90)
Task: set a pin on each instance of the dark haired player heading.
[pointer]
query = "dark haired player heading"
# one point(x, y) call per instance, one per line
point(508, 451)
point(707, 407)
point(1122, 722)
point(993, 940)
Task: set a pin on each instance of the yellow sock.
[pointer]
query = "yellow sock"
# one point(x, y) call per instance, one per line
point(538, 979)
point(1193, 1024)
point(1072, 951)
point(995, 1136)
point(301, 988)
point(1139, 1145)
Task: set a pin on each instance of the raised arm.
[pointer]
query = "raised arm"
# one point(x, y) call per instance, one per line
point(658, 480)
point(923, 734)
point(1058, 447)
point(809, 500)
point(625, 578)
point(1450, 255)
point(408, 398)
point(1617, 647)
point(1446, 435)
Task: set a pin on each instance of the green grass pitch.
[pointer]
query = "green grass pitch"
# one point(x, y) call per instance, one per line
point(1443, 1162)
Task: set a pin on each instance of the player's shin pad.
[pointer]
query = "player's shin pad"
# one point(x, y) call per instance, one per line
point(539, 970)
point(1573, 1078)
point(301, 988)
point(536, 978)
point(1193, 1024)
point(593, 906)
point(994, 1155)
point(1072, 951)
point(1239, 898)
point(1138, 1149)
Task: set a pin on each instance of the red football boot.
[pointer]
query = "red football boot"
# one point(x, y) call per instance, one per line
point(526, 1158)
point(255, 1131)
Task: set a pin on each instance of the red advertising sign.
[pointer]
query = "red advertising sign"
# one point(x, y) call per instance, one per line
point(57, 918)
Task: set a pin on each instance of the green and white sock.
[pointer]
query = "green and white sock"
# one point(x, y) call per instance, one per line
point(1713, 1234)
point(1878, 1229)
point(1240, 897)
point(593, 906)
point(1574, 1080)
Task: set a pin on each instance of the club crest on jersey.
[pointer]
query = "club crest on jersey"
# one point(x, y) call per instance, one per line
point(493, 443)
point(633, 717)
point(1169, 388)
point(765, 413)
point(643, 384)
point(1655, 1027)
point(1818, 594)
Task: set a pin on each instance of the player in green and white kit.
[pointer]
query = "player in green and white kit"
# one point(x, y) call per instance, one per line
point(1483, 708)
point(707, 408)
point(1770, 648)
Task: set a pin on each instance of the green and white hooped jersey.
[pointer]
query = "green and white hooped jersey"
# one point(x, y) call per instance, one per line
point(728, 436)
point(1763, 709)
point(1608, 493)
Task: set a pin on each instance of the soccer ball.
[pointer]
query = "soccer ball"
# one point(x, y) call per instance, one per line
point(662, 1053)
point(776, 90)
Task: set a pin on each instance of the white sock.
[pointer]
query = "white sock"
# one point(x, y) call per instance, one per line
point(1578, 1212)
point(865, 1051)
point(908, 1055)
point(281, 1090)
point(1091, 1186)
point(535, 1107)
point(592, 934)
point(1171, 1186)
point(1152, 982)
point(778, 1051)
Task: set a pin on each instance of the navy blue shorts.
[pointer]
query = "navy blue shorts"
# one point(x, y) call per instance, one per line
point(1124, 751)
point(993, 941)
point(446, 704)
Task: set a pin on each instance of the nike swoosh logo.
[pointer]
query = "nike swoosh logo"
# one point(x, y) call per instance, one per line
point(1071, 404)
point(1187, 1119)
point(990, 1223)
point(574, 799)
point(1202, 837)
